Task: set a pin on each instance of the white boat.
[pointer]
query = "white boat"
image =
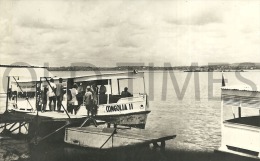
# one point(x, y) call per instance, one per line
point(111, 106)
point(240, 121)
point(108, 138)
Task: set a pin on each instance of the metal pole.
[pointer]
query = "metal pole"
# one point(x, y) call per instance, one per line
point(144, 85)
point(222, 120)
point(118, 87)
point(7, 93)
point(239, 112)
point(109, 82)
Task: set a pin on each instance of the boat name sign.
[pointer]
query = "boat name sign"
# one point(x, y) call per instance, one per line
point(119, 107)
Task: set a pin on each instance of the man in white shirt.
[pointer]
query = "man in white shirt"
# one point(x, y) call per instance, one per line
point(89, 100)
point(51, 94)
point(59, 94)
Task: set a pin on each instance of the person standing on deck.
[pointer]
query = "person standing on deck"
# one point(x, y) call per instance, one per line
point(80, 88)
point(59, 94)
point(125, 93)
point(89, 100)
point(102, 89)
point(74, 101)
point(52, 97)
point(95, 98)
point(80, 95)
point(44, 99)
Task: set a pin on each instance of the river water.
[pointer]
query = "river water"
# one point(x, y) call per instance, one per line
point(193, 114)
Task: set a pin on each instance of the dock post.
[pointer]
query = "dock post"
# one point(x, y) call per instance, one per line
point(7, 93)
point(162, 148)
point(163, 144)
point(20, 124)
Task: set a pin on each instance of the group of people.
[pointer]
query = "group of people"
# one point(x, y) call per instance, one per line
point(77, 96)
point(55, 94)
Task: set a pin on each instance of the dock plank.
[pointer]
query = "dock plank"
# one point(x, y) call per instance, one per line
point(46, 116)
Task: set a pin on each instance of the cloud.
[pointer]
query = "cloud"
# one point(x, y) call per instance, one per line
point(105, 32)
point(204, 18)
point(34, 23)
point(207, 18)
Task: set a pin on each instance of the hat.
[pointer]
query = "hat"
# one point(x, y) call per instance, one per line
point(88, 87)
point(75, 85)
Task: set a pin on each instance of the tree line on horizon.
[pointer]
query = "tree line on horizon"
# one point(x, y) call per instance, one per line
point(206, 68)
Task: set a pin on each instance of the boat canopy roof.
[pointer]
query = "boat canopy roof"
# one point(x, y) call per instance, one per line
point(124, 75)
point(25, 76)
point(242, 96)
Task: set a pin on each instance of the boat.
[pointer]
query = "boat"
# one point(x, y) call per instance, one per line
point(112, 138)
point(122, 109)
point(111, 106)
point(240, 121)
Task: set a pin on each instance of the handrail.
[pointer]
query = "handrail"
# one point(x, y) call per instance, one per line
point(22, 92)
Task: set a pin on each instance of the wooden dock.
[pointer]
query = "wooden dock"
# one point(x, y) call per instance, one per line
point(10, 117)
point(56, 126)
point(40, 126)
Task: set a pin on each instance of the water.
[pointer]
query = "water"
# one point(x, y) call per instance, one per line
point(195, 118)
point(195, 121)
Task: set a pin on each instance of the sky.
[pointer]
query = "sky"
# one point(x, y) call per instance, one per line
point(111, 32)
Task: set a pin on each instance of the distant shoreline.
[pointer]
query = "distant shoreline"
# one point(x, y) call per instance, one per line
point(209, 68)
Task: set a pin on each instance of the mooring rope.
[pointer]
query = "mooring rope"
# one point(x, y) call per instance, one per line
point(112, 134)
point(89, 118)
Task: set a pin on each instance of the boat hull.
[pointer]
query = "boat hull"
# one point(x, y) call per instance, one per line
point(137, 119)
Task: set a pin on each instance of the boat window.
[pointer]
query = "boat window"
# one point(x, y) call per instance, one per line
point(114, 86)
point(135, 86)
